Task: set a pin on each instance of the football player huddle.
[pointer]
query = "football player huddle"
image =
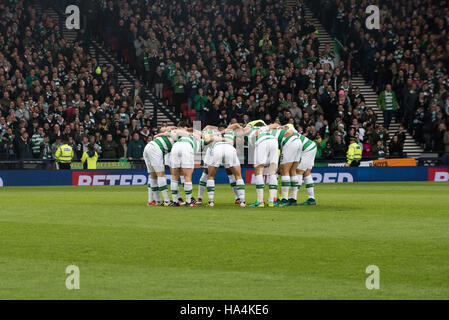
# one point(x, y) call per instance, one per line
point(273, 149)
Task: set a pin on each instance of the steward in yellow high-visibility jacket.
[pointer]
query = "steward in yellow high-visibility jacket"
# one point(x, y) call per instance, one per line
point(89, 158)
point(64, 155)
point(354, 154)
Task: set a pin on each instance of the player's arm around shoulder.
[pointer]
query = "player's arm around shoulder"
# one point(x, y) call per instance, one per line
point(210, 127)
point(232, 127)
point(247, 129)
point(273, 126)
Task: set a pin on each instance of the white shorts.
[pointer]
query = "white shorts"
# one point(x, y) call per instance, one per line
point(224, 155)
point(291, 151)
point(307, 159)
point(207, 158)
point(182, 156)
point(266, 153)
point(154, 158)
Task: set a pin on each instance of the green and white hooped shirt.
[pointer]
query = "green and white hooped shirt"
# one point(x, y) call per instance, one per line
point(229, 139)
point(205, 133)
point(194, 143)
point(389, 100)
point(279, 134)
point(264, 135)
point(307, 144)
point(164, 143)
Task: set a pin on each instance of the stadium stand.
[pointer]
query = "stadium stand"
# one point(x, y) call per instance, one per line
point(251, 59)
point(409, 51)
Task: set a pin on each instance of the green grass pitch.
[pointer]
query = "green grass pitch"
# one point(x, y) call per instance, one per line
point(126, 250)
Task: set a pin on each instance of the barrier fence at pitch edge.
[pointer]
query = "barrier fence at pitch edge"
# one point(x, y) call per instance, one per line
point(140, 177)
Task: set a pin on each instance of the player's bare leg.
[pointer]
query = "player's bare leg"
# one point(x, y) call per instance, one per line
point(202, 186)
point(237, 172)
point(179, 199)
point(272, 183)
point(174, 186)
point(260, 186)
point(212, 171)
point(293, 183)
point(304, 175)
point(153, 190)
point(233, 182)
point(162, 185)
point(284, 170)
point(188, 187)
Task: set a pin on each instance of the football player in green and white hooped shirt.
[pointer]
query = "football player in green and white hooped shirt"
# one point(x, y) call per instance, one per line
point(307, 160)
point(207, 131)
point(223, 153)
point(183, 126)
point(183, 161)
point(290, 146)
point(153, 155)
point(265, 154)
point(212, 130)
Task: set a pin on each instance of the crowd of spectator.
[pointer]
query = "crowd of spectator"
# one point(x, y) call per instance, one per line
point(410, 51)
point(50, 88)
point(237, 62)
point(218, 62)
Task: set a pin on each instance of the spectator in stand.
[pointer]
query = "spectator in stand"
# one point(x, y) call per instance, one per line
point(410, 102)
point(109, 148)
point(367, 148)
point(6, 147)
point(395, 147)
point(135, 148)
point(36, 141)
point(438, 139)
point(379, 150)
point(418, 125)
point(200, 101)
point(381, 134)
point(321, 145)
point(122, 149)
point(314, 110)
point(55, 145)
point(401, 134)
point(45, 148)
point(159, 79)
point(328, 152)
point(23, 147)
point(339, 148)
point(388, 103)
point(179, 83)
point(296, 112)
point(446, 147)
